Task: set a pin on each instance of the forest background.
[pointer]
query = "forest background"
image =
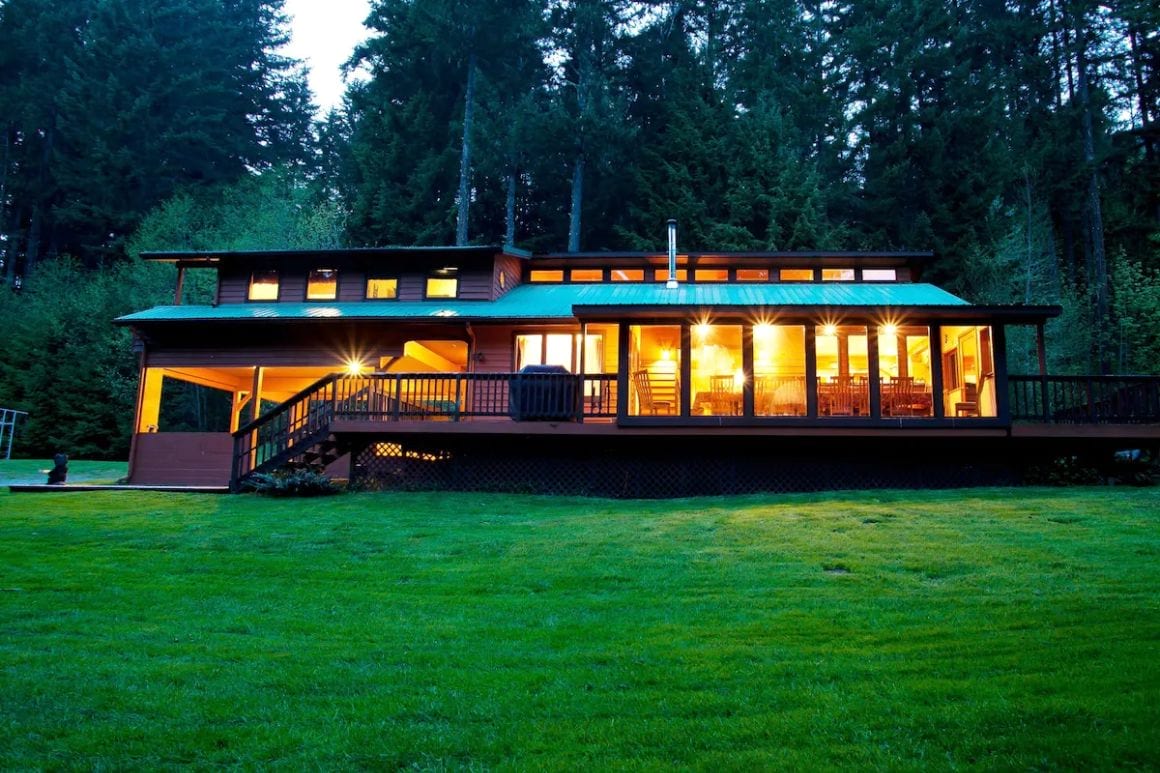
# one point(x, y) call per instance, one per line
point(1016, 139)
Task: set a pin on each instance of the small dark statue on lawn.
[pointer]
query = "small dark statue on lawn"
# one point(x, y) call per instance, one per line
point(58, 473)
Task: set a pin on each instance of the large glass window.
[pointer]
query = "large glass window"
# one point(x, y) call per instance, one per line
point(545, 349)
point(263, 286)
point(718, 379)
point(904, 370)
point(655, 370)
point(843, 370)
point(968, 372)
point(322, 285)
point(779, 370)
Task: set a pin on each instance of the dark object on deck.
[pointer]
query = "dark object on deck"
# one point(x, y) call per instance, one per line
point(59, 472)
point(543, 393)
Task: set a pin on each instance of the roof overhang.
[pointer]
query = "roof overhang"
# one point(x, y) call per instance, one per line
point(1010, 315)
point(192, 259)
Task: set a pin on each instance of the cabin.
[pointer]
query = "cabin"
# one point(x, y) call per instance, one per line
point(604, 373)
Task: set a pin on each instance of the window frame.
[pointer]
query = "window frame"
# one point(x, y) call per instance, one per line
point(277, 285)
point(367, 287)
point(310, 274)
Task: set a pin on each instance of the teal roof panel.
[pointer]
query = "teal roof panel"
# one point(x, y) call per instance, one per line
point(556, 301)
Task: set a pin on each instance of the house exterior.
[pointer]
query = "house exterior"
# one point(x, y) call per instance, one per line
point(633, 374)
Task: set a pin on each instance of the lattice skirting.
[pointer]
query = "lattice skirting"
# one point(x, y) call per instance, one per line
point(678, 467)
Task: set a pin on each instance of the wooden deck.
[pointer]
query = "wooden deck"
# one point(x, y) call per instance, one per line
point(67, 488)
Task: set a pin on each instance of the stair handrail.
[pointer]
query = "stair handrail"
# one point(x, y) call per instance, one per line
point(286, 405)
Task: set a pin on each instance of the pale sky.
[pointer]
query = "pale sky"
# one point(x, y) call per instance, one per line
point(324, 34)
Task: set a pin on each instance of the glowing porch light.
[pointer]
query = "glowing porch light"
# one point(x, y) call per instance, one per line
point(762, 330)
point(890, 329)
point(703, 329)
point(829, 329)
point(354, 367)
point(739, 380)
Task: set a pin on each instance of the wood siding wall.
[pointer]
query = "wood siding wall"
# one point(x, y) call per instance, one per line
point(182, 459)
point(474, 285)
point(511, 268)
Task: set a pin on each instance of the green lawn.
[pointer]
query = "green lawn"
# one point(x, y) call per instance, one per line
point(1002, 628)
point(25, 471)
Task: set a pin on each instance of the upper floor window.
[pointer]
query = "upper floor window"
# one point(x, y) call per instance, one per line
point(628, 275)
point(263, 286)
point(796, 275)
point(443, 285)
point(322, 285)
point(382, 288)
point(546, 275)
point(879, 275)
point(663, 275)
point(587, 275)
point(753, 275)
point(711, 275)
point(837, 275)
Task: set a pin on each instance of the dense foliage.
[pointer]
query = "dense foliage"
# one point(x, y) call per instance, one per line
point(1016, 140)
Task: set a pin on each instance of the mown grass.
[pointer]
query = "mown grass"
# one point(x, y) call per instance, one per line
point(35, 471)
point(983, 628)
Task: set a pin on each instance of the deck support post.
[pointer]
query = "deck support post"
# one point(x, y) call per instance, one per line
point(686, 392)
point(874, 380)
point(622, 360)
point(936, 374)
point(750, 385)
point(999, 358)
point(1041, 353)
point(811, 371)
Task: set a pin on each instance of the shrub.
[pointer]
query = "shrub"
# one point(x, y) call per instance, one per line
point(293, 483)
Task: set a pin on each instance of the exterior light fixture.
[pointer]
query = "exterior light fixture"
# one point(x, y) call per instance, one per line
point(890, 329)
point(354, 367)
point(829, 329)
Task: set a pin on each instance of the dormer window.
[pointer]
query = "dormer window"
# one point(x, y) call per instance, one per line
point(587, 275)
point(879, 275)
point(443, 284)
point(546, 275)
point(837, 275)
point(322, 285)
point(753, 275)
point(263, 286)
point(628, 275)
point(662, 275)
point(796, 275)
point(382, 288)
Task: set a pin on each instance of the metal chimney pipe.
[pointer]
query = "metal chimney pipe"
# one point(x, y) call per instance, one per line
point(672, 283)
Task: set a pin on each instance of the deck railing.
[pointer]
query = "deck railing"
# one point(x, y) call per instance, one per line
point(1085, 399)
point(304, 420)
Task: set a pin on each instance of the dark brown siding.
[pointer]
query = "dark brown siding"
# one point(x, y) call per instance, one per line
point(494, 343)
point(182, 459)
point(475, 286)
point(511, 267)
point(233, 287)
point(352, 285)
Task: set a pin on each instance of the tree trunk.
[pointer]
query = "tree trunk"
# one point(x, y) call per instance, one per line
point(40, 199)
point(509, 218)
point(465, 156)
point(1030, 260)
point(1095, 220)
point(6, 247)
point(577, 202)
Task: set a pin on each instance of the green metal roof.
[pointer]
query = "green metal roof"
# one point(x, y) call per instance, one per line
point(557, 301)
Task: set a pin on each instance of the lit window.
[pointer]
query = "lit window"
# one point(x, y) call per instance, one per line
point(503, 280)
point(382, 289)
point(542, 275)
point(549, 349)
point(753, 275)
point(879, 275)
point(442, 287)
point(837, 275)
point(322, 285)
point(263, 286)
point(587, 275)
point(628, 275)
point(796, 275)
point(711, 275)
point(663, 275)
